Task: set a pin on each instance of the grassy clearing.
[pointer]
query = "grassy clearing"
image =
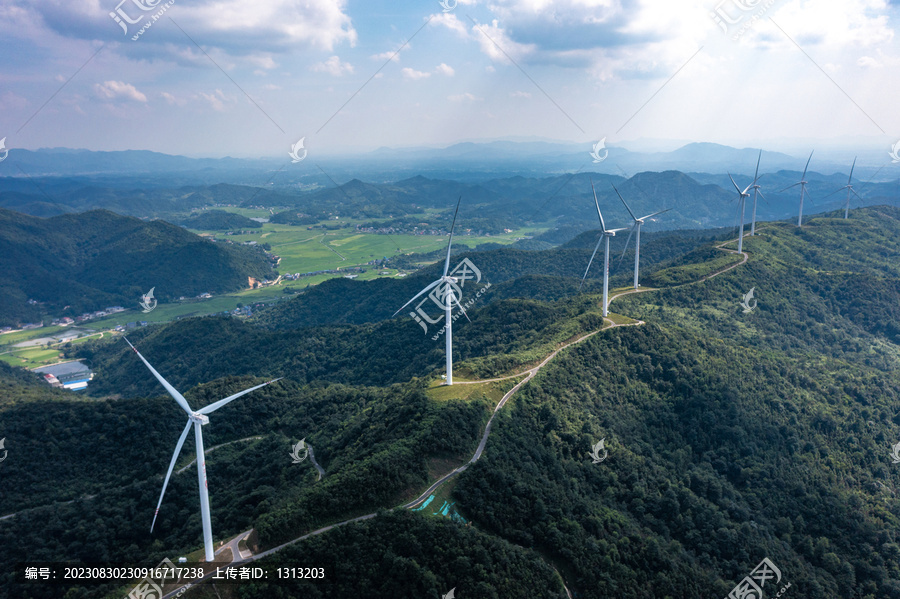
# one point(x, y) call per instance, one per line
point(491, 392)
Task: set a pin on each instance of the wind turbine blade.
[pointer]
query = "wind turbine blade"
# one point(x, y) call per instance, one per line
point(597, 204)
point(735, 184)
point(627, 207)
point(834, 192)
point(627, 241)
point(416, 296)
point(450, 243)
point(807, 165)
point(215, 406)
point(756, 176)
point(851, 171)
point(463, 310)
point(789, 187)
point(172, 391)
point(181, 439)
point(655, 213)
point(856, 194)
point(599, 241)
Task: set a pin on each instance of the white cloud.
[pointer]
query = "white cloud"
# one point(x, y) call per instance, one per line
point(113, 90)
point(466, 97)
point(333, 66)
point(868, 61)
point(449, 20)
point(172, 100)
point(409, 73)
point(443, 69)
point(237, 26)
point(393, 55)
point(519, 94)
point(215, 100)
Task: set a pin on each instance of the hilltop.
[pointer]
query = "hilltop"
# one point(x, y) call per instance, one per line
point(74, 263)
point(731, 436)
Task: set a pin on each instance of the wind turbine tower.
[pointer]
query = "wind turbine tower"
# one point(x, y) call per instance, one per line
point(849, 188)
point(196, 418)
point(638, 223)
point(448, 296)
point(605, 234)
point(802, 183)
point(742, 196)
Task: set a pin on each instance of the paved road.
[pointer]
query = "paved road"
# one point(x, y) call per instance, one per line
point(206, 452)
point(312, 458)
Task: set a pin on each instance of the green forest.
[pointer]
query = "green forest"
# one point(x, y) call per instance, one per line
point(75, 263)
point(733, 435)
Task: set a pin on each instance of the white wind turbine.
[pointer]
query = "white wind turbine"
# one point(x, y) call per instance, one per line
point(756, 195)
point(638, 222)
point(849, 188)
point(802, 183)
point(198, 419)
point(448, 297)
point(605, 234)
point(743, 196)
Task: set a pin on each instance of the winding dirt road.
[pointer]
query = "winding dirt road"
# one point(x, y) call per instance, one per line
point(528, 374)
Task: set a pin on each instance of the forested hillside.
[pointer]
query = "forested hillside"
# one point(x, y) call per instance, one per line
point(733, 434)
point(93, 260)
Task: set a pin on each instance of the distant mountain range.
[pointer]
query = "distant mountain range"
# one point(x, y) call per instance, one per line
point(468, 161)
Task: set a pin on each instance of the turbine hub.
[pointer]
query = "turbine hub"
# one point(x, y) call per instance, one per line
point(201, 418)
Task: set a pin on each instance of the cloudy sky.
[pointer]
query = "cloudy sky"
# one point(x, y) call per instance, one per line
point(249, 78)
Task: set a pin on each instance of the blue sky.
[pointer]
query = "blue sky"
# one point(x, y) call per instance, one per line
point(242, 78)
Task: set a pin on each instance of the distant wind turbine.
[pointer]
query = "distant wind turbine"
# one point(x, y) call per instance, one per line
point(198, 419)
point(605, 235)
point(638, 222)
point(743, 195)
point(849, 188)
point(802, 183)
point(756, 194)
point(448, 297)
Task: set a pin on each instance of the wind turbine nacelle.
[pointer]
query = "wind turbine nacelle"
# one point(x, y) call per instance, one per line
point(201, 418)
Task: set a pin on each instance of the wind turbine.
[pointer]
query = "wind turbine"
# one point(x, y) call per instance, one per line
point(605, 235)
point(638, 222)
point(743, 196)
point(756, 193)
point(849, 188)
point(802, 183)
point(448, 297)
point(198, 419)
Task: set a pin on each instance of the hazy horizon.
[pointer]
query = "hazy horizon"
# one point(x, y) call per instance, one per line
point(231, 79)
